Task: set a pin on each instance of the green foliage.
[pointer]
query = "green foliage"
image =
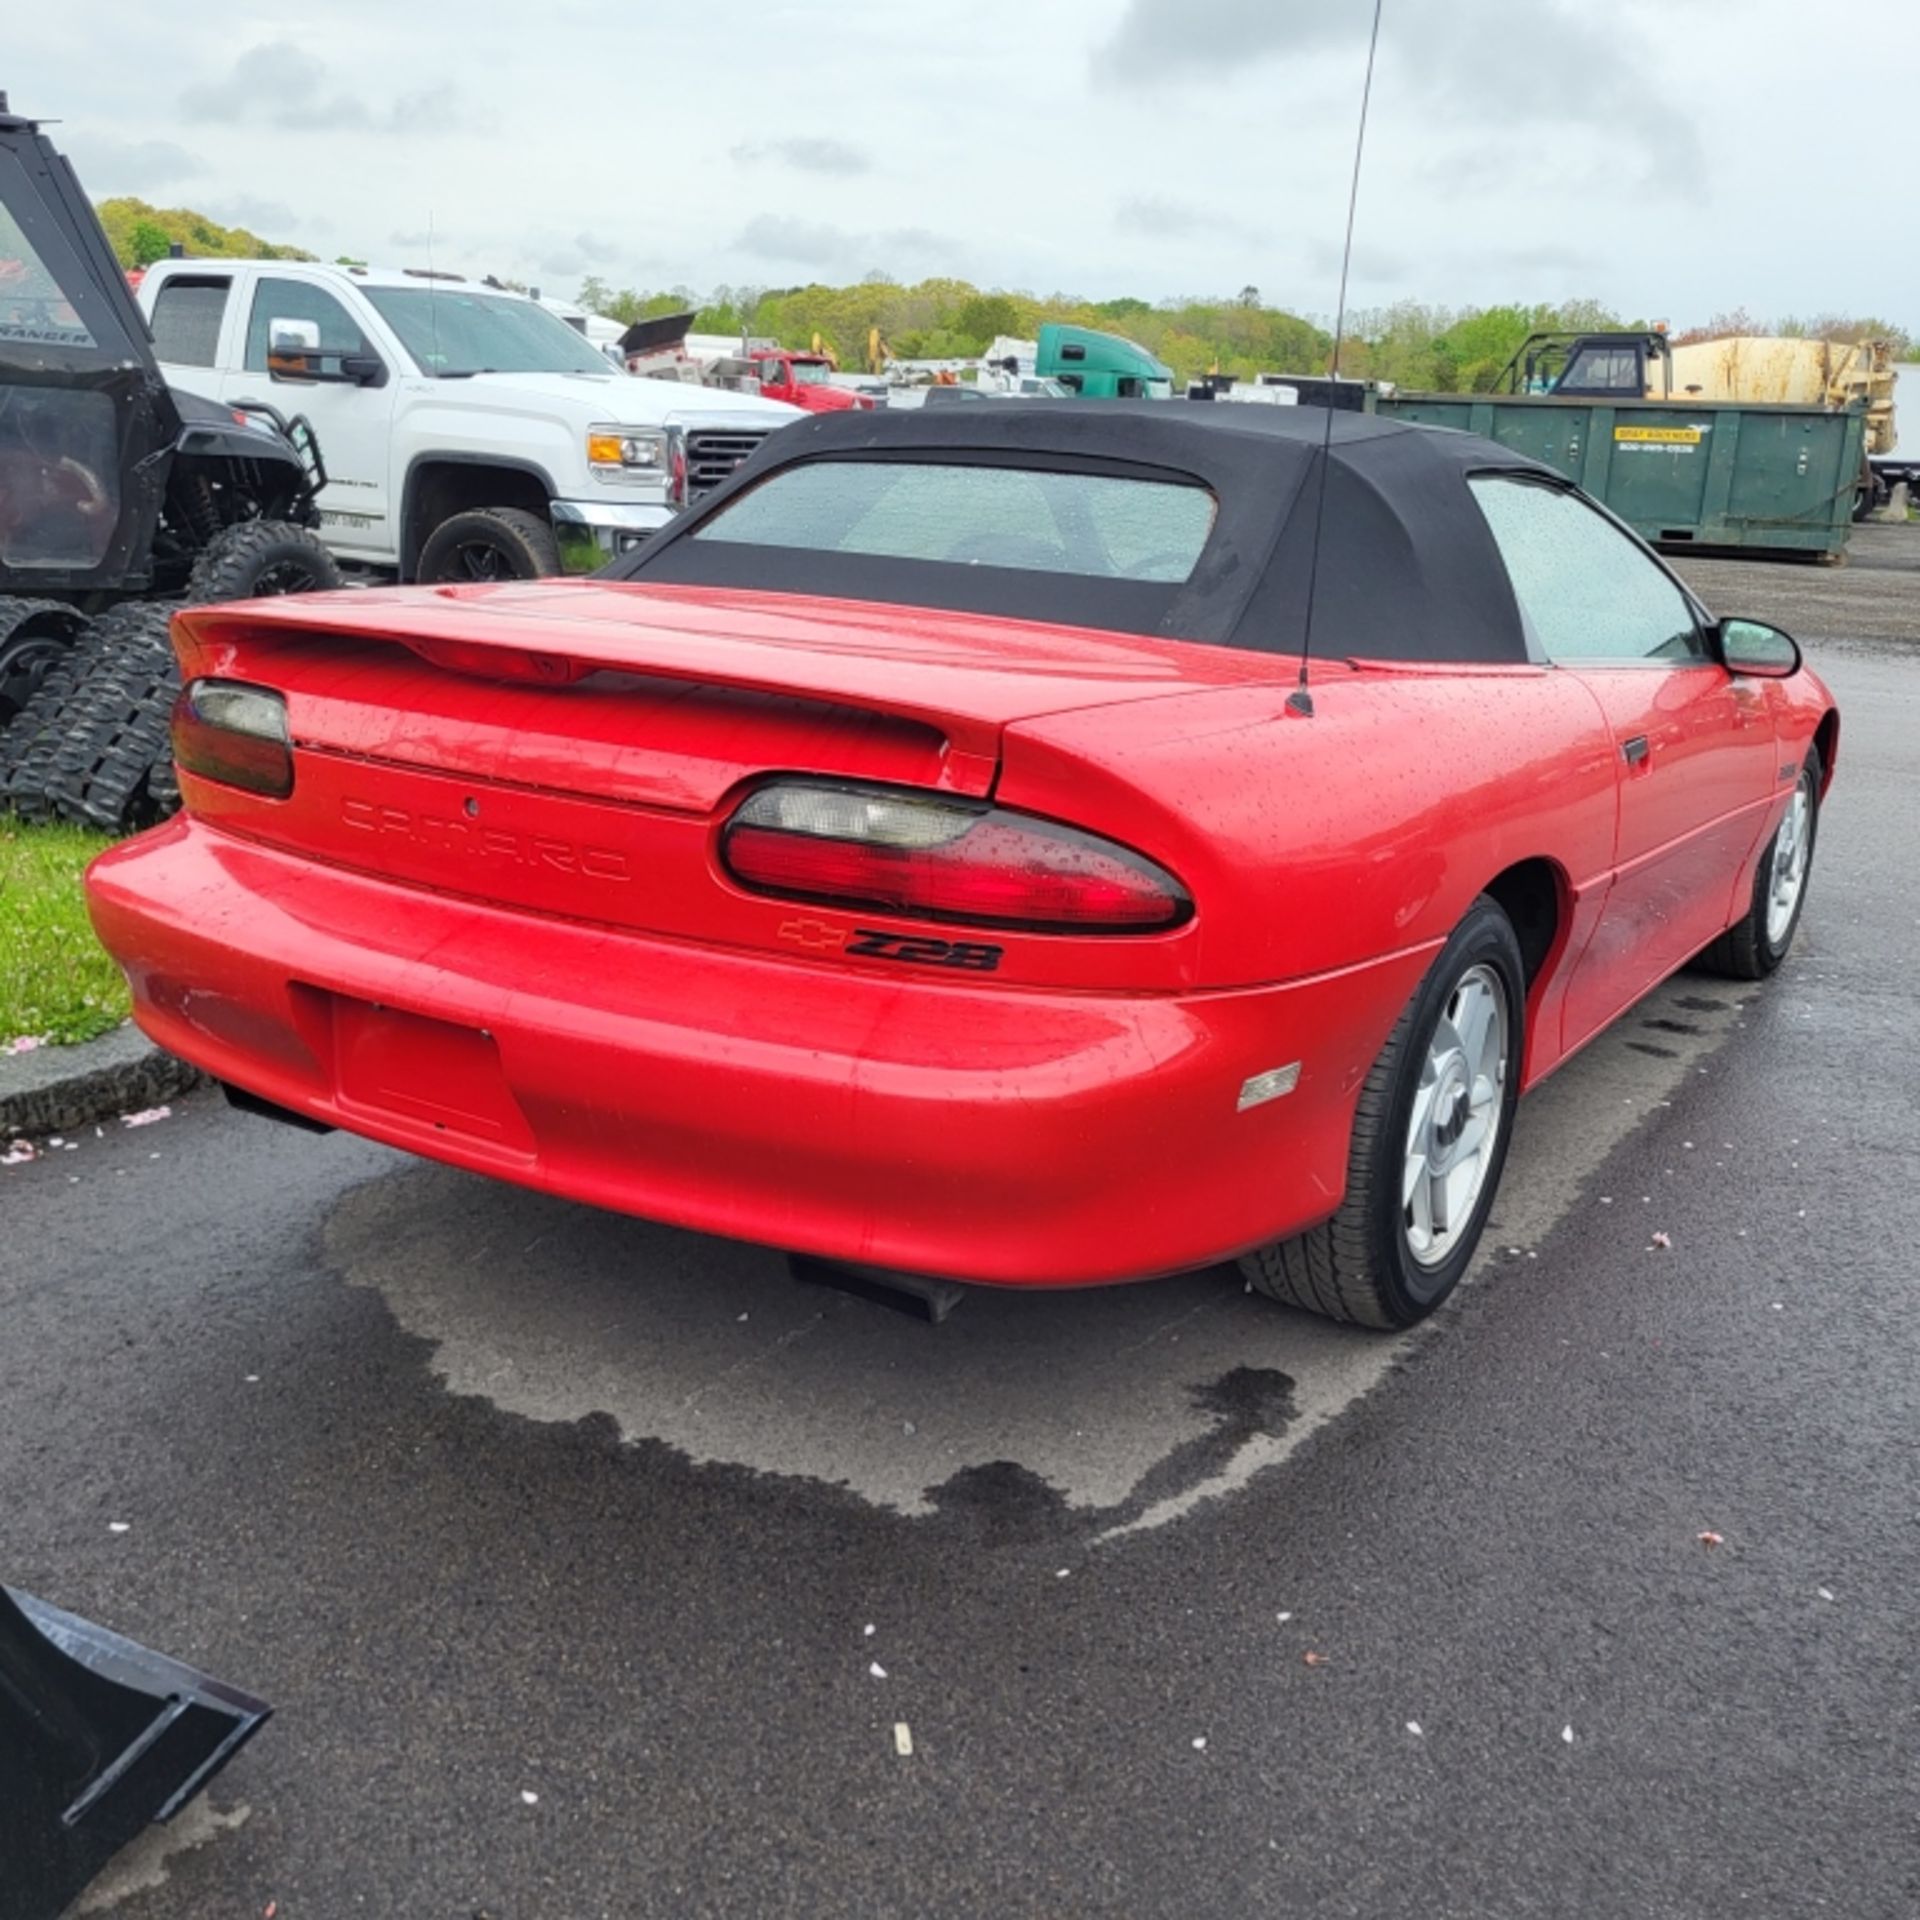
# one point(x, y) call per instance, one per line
point(1421, 347)
point(1846, 328)
point(1454, 350)
point(951, 320)
point(55, 981)
point(147, 242)
point(141, 234)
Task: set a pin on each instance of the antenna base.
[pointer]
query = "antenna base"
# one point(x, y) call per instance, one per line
point(1300, 701)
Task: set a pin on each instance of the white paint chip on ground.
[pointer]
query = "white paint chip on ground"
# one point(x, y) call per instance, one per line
point(146, 1865)
point(877, 1670)
point(1825, 1593)
point(119, 1526)
point(1566, 1733)
point(146, 1116)
point(1413, 1727)
point(528, 1798)
point(903, 1740)
point(1200, 1745)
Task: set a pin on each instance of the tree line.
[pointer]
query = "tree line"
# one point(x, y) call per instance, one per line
point(1430, 348)
point(1436, 349)
point(141, 234)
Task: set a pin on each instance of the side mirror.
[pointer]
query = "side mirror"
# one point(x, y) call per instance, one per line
point(363, 369)
point(1753, 647)
point(293, 336)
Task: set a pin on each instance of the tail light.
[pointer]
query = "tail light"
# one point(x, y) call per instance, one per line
point(933, 858)
point(228, 731)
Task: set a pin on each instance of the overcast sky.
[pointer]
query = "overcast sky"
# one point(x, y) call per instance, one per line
point(1671, 157)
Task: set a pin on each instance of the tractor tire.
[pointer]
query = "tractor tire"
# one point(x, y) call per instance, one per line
point(28, 743)
point(34, 636)
point(108, 744)
point(260, 558)
point(491, 543)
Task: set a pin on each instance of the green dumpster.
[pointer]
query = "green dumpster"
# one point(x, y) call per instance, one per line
point(1778, 479)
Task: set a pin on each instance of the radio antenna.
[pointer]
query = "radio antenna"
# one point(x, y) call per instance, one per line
point(1301, 699)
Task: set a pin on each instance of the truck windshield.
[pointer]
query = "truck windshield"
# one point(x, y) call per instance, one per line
point(452, 333)
point(809, 373)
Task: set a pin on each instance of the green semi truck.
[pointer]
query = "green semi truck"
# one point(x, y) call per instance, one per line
point(1100, 366)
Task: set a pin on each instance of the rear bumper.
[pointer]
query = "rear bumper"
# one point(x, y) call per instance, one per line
point(994, 1134)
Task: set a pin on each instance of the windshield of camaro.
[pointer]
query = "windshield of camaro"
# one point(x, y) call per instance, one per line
point(1037, 520)
point(452, 333)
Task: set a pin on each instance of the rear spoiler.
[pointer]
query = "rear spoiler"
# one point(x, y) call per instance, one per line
point(453, 627)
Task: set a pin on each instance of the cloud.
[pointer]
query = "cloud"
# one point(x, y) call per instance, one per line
point(1470, 62)
point(568, 259)
point(267, 217)
point(807, 155)
point(831, 249)
point(1174, 220)
point(108, 164)
point(278, 84)
point(1324, 259)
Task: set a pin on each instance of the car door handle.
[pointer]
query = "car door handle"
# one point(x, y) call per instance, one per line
point(1635, 750)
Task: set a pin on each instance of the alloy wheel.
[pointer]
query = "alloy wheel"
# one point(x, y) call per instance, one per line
point(1792, 849)
point(1455, 1123)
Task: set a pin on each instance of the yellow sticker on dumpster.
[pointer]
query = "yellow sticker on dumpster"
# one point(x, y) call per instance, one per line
point(1658, 436)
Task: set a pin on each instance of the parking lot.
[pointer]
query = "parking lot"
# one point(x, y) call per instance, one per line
point(599, 1569)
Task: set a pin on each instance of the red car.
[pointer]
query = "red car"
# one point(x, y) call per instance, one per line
point(939, 851)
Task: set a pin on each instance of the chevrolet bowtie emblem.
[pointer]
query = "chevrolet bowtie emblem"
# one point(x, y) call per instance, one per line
point(815, 935)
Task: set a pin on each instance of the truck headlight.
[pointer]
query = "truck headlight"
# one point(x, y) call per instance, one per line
point(629, 453)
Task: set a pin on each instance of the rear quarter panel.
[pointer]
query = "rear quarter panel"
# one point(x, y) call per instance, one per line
point(1313, 845)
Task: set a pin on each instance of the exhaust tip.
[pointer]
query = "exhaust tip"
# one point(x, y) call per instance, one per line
point(918, 1295)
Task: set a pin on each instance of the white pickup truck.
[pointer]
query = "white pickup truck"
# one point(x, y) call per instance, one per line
point(467, 433)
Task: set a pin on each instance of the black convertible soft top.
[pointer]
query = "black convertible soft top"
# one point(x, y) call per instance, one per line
point(1407, 567)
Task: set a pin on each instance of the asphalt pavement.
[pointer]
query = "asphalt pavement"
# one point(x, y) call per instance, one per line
point(595, 1569)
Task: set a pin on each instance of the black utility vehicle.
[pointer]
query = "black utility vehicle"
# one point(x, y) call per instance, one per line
point(120, 499)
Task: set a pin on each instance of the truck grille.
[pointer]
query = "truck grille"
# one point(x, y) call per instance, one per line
point(712, 457)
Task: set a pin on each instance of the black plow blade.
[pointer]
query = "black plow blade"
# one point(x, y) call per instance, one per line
point(99, 1739)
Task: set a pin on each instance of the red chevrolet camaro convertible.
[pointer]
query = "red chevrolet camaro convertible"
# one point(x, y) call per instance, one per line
point(928, 853)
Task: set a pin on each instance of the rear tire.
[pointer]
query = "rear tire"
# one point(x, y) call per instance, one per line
point(1430, 1137)
point(490, 543)
point(257, 559)
point(1755, 944)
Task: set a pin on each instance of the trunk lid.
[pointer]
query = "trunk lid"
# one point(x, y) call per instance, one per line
point(667, 695)
point(595, 784)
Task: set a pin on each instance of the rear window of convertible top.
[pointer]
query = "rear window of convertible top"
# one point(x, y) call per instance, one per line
point(1032, 520)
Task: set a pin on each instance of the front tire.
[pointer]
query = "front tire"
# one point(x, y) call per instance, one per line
point(491, 543)
point(256, 559)
point(1756, 943)
point(1430, 1135)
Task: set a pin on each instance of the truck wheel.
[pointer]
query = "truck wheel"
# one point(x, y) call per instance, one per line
point(34, 635)
point(491, 543)
point(258, 558)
